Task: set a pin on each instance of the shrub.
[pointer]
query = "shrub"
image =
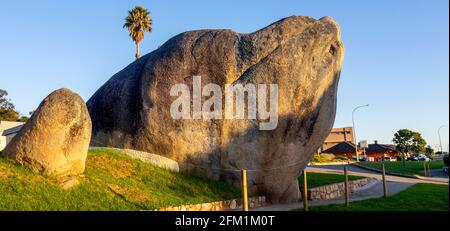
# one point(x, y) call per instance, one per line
point(316, 158)
point(325, 157)
point(341, 158)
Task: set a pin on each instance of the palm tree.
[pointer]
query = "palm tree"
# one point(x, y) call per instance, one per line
point(137, 22)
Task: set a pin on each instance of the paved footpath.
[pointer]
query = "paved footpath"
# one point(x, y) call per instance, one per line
point(395, 184)
point(374, 191)
point(357, 171)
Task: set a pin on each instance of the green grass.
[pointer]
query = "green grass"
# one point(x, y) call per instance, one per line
point(320, 179)
point(420, 197)
point(113, 181)
point(412, 167)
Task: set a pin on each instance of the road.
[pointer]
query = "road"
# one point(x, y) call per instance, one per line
point(437, 173)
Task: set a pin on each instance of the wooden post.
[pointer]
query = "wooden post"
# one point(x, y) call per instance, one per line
point(425, 168)
point(384, 180)
point(346, 189)
point(429, 170)
point(305, 191)
point(244, 191)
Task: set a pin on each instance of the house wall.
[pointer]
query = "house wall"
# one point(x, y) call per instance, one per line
point(9, 137)
point(8, 124)
point(378, 156)
point(2, 142)
point(336, 136)
point(348, 155)
point(4, 125)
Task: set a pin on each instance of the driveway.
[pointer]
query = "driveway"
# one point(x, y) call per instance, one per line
point(374, 191)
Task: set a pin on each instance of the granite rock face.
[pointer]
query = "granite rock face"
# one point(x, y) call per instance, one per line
point(302, 55)
point(55, 140)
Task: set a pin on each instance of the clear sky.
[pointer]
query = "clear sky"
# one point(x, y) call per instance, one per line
point(396, 60)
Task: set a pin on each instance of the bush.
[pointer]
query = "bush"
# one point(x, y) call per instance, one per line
point(327, 156)
point(341, 158)
point(323, 158)
point(316, 158)
point(446, 160)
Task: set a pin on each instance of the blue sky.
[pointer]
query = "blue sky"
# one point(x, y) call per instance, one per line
point(396, 59)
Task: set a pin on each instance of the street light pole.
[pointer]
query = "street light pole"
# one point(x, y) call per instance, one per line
point(354, 129)
point(439, 133)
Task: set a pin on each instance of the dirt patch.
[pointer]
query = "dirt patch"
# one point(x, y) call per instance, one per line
point(69, 182)
point(5, 172)
point(131, 195)
point(117, 168)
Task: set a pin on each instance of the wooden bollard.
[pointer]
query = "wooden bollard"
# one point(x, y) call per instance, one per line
point(429, 170)
point(244, 191)
point(305, 191)
point(425, 168)
point(383, 171)
point(346, 189)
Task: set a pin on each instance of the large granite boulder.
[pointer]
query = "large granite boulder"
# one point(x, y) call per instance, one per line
point(302, 55)
point(55, 140)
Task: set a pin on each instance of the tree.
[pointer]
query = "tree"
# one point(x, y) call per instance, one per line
point(429, 151)
point(7, 109)
point(138, 22)
point(418, 143)
point(5, 102)
point(409, 141)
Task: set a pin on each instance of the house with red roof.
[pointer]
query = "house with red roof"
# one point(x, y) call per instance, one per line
point(374, 152)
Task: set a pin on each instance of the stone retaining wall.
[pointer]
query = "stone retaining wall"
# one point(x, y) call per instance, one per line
point(332, 191)
point(234, 204)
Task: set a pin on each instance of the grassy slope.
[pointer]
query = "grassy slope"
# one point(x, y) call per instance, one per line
point(420, 197)
point(113, 181)
point(320, 179)
point(412, 167)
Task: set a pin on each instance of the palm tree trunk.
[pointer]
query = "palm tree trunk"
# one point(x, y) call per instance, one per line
point(138, 54)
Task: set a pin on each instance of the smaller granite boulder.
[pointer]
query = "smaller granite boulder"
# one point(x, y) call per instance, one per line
point(55, 140)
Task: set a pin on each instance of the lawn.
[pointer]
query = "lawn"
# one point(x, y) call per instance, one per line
point(320, 179)
point(113, 181)
point(412, 167)
point(420, 197)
